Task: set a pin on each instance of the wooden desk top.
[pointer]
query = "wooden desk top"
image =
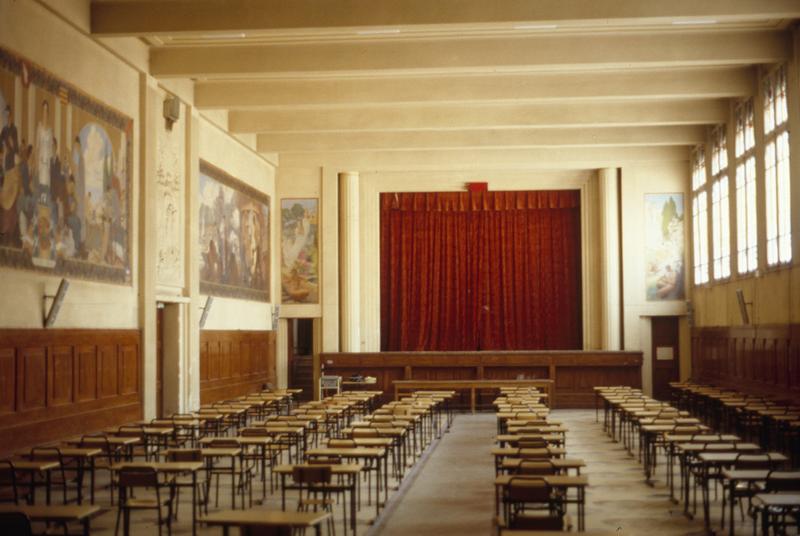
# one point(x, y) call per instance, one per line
point(35, 465)
point(56, 513)
point(511, 532)
point(269, 518)
point(358, 452)
point(70, 452)
point(471, 383)
point(730, 457)
point(162, 467)
point(513, 451)
point(778, 499)
point(557, 463)
point(758, 474)
point(242, 440)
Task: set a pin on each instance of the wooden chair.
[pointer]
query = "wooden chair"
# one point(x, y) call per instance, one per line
point(315, 487)
point(185, 480)
point(15, 524)
point(245, 471)
point(10, 491)
point(65, 476)
point(131, 478)
point(265, 531)
point(525, 494)
point(535, 467)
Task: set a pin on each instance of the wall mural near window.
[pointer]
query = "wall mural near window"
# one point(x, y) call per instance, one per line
point(664, 237)
point(300, 252)
point(65, 200)
point(234, 237)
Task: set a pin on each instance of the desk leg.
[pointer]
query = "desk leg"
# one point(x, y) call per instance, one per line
point(581, 509)
point(194, 503)
point(472, 399)
point(283, 491)
point(706, 506)
point(731, 491)
point(91, 478)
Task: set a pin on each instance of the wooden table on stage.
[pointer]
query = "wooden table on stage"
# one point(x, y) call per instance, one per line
point(402, 386)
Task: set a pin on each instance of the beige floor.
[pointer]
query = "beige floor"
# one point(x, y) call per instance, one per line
point(449, 492)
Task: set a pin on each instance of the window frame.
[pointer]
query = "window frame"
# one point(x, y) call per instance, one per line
point(719, 213)
point(701, 260)
point(746, 184)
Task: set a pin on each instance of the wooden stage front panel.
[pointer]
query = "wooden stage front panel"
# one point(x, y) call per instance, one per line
point(574, 373)
point(234, 363)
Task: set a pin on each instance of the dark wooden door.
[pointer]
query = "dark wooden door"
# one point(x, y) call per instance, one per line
point(160, 360)
point(666, 356)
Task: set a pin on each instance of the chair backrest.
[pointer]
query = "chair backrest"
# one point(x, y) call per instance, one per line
point(528, 490)
point(185, 455)
point(137, 477)
point(15, 524)
point(223, 443)
point(534, 453)
point(324, 460)
point(46, 453)
point(783, 481)
point(254, 432)
point(535, 467)
point(532, 443)
point(130, 431)
point(315, 474)
point(752, 461)
point(265, 531)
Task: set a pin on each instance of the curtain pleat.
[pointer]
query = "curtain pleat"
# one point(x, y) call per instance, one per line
point(480, 271)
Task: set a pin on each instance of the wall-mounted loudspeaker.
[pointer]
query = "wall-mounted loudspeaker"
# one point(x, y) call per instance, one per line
point(55, 307)
point(743, 306)
point(172, 110)
point(206, 310)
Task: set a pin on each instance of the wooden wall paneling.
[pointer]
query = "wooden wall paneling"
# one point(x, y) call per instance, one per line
point(8, 380)
point(204, 365)
point(85, 377)
point(108, 371)
point(581, 369)
point(763, 360)
point(32, 378)
point(129, 369)
point(238, 362)
point(60, 376)
point(55, 383)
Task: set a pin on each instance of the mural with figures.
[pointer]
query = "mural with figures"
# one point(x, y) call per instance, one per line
point(664, 246)
point(65, 199)
point(234, 237)
point(299, 251)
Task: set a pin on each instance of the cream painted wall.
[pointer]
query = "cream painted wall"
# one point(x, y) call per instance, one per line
point(226, 153)
point(636, 182)
point(30, 30)
point(375, 182)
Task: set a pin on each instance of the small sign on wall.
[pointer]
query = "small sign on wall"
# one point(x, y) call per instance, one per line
point(665, 353)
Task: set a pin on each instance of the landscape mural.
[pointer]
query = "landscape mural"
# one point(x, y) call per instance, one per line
point(664, 218)
point(234, 237)
point(299, 251)
point(65, 177)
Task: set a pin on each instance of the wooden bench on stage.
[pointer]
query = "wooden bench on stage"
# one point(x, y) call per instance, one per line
point(402, 387)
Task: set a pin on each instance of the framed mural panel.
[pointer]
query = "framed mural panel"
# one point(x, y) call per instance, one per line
point(234, 237)
point(65, 176)
point(664, 246)
point(299, 251)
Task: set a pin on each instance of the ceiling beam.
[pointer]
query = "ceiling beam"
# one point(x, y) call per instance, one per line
point(465, 117)
point(496, 159)
point(205, 16)
point(475, 55)
point(645, 84)
point(485, 139)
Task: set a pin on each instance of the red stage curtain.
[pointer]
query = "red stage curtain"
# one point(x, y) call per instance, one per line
point(481, 271)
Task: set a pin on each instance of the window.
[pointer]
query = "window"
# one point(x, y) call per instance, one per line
point(720, 214)
point(776, 172)
point(699, 217)
point(746, 230)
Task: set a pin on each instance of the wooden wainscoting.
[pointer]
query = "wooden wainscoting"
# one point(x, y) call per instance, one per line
point(62, 382)
point(234, 363)
point(757, 359)
point(575, 372)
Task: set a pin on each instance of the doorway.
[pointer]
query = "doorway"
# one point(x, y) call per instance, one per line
point(170, 361)
point(300, 353)
point(665, 354)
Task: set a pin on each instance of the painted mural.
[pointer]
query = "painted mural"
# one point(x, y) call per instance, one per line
point(664, 248)
point(65, 178)
point(234, 237)
point(299, 251)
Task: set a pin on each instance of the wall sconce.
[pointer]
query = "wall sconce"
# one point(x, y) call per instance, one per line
point(55, 307)
point(172, 110)
point(206, 309)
